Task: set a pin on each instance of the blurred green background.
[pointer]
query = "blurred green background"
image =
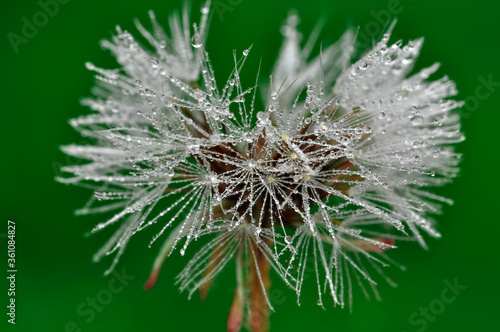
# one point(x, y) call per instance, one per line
point(40, 89)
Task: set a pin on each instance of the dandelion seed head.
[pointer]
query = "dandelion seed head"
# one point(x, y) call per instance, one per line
point(331, 173)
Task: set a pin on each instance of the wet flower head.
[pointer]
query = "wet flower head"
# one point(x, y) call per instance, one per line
point(328, 176)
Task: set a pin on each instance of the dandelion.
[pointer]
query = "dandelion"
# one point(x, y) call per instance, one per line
point(327, 177)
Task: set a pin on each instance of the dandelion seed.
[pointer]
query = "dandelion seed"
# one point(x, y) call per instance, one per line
point(330, 175)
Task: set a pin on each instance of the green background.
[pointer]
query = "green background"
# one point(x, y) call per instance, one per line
point(40, 90)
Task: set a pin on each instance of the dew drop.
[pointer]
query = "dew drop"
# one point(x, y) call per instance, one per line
point(363, 65)
point(261, 115)
point(417, 120)
point(154, 63)
point(196, 41)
